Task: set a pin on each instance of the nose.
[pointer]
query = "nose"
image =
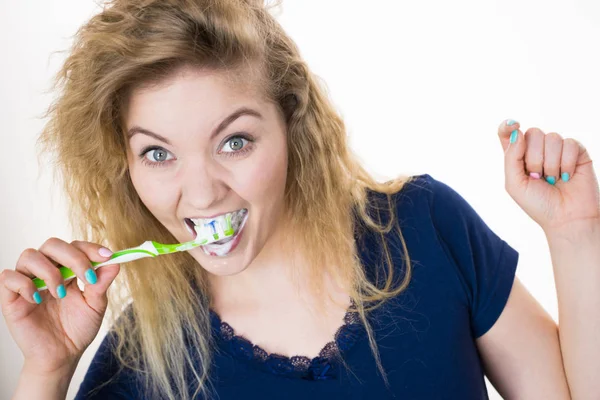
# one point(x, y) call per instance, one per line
point(201, 185)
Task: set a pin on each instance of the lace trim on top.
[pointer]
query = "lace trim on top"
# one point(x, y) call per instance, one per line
point(323, 366)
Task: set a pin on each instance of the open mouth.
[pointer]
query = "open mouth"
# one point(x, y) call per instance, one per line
point(208, 226)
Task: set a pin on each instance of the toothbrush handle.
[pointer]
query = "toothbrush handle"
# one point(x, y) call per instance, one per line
point(117, 258)
point(66, 273)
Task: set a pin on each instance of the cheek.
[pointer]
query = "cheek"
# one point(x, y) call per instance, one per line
point(264, 178)
point(153, 193)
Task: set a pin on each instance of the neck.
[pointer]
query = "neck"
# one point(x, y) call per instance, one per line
point(276, 279)
point(273, 274)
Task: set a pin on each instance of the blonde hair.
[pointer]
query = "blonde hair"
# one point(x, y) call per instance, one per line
point(135, 43)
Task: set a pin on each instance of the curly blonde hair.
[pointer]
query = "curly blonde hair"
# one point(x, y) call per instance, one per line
point(137, 43)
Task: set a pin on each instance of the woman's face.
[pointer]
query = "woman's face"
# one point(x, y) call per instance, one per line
point(199, 147)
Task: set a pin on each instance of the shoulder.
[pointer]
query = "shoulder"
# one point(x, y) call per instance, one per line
point(482, 262)
point(424, 199)
point(427, 190)
point(434, 208)
point(418, 201)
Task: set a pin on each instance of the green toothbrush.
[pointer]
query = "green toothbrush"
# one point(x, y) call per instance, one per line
point(150, 248)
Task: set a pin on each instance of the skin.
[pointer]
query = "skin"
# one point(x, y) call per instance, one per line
point(525, 354)
point(200, 182)
point(194, 178)
point(54, 334)
point(202, 176)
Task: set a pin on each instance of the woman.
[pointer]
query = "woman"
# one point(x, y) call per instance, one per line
point(337, 286)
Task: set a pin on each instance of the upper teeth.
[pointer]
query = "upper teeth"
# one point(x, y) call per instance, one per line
point(236, 219)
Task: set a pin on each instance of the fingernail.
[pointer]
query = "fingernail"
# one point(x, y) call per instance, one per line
point(511, 122)
point(61, 291)
point(565, 176)
point(104, 252)
point(535, 175)
point(37, 298)
point(513, 136)
point(91, 277)
point(551, 180)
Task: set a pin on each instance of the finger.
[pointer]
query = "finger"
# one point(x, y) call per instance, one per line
point(69, 256)
point(14, 284)
point(504, 132)
point(6, 296)
point(32, 263)
point(553, 144)
point(514, 159)
point(568, 163)
point(93, 252)
point(534, 156)
point(95, 295)
point(584, 156)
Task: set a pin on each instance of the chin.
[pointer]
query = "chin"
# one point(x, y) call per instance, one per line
point(222, 266)
point(226, 270)
point(233, 258)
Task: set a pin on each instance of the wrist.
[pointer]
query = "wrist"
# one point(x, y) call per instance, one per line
point(575, 232)
point(34, 369)
point(39, 382)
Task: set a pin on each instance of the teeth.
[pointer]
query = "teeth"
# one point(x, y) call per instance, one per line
point(206, 227)
point(223, 247)
point(236, 219)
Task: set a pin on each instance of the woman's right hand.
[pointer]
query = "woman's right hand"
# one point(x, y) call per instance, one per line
point(56, 332)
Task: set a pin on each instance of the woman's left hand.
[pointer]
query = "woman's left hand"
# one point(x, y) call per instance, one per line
point(565, 189)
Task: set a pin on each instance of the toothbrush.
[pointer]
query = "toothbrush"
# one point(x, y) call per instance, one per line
point(213, 231)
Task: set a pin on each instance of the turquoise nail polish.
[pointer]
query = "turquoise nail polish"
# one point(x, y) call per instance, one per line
point(91, 277)
point(551, 180)
point(513, 136)
point(37, 298)
point(510, 122)
point(61, 291)
point(565, 176)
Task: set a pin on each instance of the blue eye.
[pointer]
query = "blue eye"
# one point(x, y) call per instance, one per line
point(157, 156)
point(235, 143)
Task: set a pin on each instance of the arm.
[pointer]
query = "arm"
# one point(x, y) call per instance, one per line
point(568, 210)
point(575, 253)
point(517, 340)
point(521, 353)
point(44, 385)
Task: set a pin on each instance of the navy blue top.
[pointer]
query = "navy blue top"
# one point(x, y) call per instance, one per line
point(462, 274)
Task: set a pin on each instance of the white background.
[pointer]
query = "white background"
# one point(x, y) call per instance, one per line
point(422, 86)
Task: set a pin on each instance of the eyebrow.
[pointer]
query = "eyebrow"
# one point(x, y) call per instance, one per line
point(224, 124)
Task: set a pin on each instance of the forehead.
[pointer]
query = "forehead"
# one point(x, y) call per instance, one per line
point(193, 100)
point(196, 88)
point(232, 82)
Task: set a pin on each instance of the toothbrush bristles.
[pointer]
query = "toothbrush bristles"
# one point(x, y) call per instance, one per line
point(214, 230)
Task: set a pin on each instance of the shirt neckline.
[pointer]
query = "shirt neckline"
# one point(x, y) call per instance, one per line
point(322, 367)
